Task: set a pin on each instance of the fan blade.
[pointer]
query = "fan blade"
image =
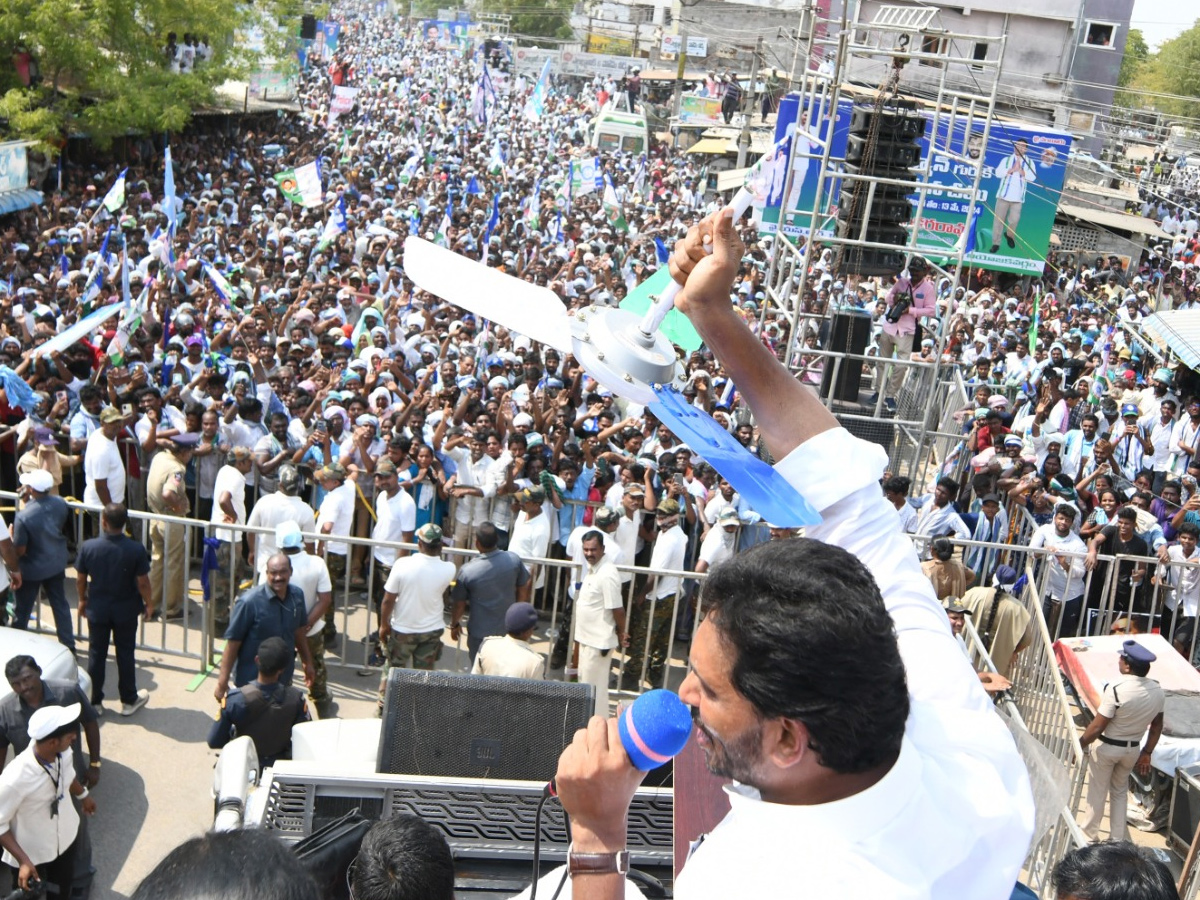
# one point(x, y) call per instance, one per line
point(535, 312)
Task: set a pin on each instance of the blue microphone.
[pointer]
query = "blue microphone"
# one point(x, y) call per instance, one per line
point(654, 728)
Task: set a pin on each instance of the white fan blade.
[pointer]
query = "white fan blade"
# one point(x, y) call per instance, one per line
point(535, 312)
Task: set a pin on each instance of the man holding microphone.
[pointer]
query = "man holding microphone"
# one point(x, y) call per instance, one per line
point(824, 680)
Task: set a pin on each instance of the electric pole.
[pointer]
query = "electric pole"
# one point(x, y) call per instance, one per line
point(683, 39)
point(748, 107)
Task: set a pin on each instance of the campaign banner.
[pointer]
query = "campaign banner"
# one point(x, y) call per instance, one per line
point(792, 216)
point(445, 32)
point(1024, 168)
point(14, 166)
point(325, 45)
point(342, 102)
point(694, 110)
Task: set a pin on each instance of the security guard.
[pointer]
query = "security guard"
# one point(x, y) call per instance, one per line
point(511, 654)
point(166, 495)
point(1127, 707)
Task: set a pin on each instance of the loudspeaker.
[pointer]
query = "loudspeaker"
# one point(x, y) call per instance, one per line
point(478, 726)
point(308, 27)
point(851, 332)
point(1185, 809)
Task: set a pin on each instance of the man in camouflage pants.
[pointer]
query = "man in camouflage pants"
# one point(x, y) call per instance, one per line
point(414, 600)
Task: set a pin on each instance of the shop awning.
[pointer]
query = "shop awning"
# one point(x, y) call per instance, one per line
point(718, 146)
point(12, 201)
point(1179, 329)
point(731, 180)
point(1119, 221)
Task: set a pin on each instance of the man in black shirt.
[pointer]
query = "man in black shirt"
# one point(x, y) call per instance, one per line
point(1118, 540)
point(113, 581)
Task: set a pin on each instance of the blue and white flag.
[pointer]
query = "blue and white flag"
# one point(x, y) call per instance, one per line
point(170, 204)
point(967, 239)
point(115, 198)
point(64, 265)
point(535, 106)
point(19, 393)
point(335, 226)
point(490, 227)
point(496, 162)
point(224, 288)
point(91, 288)
point(661, 254)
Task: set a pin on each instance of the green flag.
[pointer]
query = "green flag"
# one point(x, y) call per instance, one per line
point(288, 187)
point(1034, 322)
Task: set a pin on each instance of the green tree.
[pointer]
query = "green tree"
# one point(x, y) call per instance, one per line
point(534, 18)
point(103, 70)
point(1175, 69)
point(1137, 51)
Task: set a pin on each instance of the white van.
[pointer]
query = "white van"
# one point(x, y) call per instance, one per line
point(617, 129)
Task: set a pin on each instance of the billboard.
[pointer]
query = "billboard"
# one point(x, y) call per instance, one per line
point(444, 32)
point(1024, 167)
point(14, 166)
point(695, 110)
point(794, 216)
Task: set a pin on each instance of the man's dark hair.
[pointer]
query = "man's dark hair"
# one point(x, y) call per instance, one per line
point(403, 858)
point(486, 536)
point(1128, 512)
point(88, 393)
point(898, 484)
point(249, 406)
point(1113, 870)
point(1071, 394)
point(251, 864)
point(1189, 528)
point(13, 667)
point(273, 655)
point(949, 485)
point(116, 515)
point(813, 641)
point(594, 535)
point(1091, 417)
point(1066, 509)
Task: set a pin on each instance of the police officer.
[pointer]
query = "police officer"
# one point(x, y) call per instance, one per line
point(166, 495)
point(511, 654)
point(1128, 706)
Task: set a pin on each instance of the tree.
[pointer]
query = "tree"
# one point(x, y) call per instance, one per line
point(534, 18)
point(1175, 69)
point(1137, 51)
point(103, 70)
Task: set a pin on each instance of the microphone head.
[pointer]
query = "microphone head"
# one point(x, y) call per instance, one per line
point(654, 728)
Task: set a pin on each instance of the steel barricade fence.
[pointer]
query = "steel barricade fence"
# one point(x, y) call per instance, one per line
point(1063, 834)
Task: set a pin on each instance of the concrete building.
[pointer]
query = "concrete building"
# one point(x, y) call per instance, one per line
point(1061, 59)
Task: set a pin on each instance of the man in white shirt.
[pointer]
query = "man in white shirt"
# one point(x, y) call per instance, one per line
point(413, 600)
point(395, 521)
point(1016, 172)
point(1183, 600)
point(335, 519)
point(530, 538)
point(599, 617)
point(937, 516)
point(38, 821)
point(650, 630)
point(103, 468)
point(470, 489)
point(229, 508)
point(312, 577)
point(1066, 579)
point(274, 509)
point(721, 541)
point(824, 680)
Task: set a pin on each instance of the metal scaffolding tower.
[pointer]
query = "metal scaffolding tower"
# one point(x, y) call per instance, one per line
point(917, 50)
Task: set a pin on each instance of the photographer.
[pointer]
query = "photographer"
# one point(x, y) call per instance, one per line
point(911, 297)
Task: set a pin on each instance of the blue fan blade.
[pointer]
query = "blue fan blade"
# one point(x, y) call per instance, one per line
point(768, 493)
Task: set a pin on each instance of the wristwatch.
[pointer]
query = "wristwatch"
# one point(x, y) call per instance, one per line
point(597, 863)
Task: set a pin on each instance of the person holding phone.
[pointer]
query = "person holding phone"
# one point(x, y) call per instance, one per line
point(1131, 445)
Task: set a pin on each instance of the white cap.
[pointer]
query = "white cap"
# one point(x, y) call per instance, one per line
point(48, 719)
point(39, 479)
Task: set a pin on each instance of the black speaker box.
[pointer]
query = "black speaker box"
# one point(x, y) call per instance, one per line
point(891, 155)
point(308, 27)
point(477, 726)
point(850, 334)
point(1185, 809)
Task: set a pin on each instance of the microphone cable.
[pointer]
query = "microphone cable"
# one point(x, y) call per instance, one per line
point(537, 844)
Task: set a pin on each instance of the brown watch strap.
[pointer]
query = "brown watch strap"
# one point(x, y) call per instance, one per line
point(598, 863)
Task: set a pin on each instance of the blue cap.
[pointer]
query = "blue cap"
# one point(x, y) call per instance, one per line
point(1135, 652)
point(654, 728)
point(1130, 409)
point(186, 439)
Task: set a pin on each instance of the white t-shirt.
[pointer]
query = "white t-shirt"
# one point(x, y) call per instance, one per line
point(530, 538)
point(669, 551)
point(714, 548)
point(574, 550)
point(231, 480)
point(275, 509)
point(419, 583)
point(396, 516)
point(338, 508)
point(102, 461)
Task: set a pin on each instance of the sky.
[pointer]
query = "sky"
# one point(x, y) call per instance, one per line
point(1161, 20)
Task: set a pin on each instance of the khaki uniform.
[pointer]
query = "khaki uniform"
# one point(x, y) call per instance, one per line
point(949, 579)
point(1132, 702)
point(1010, 626)
point(505, 655)
point(167, 540)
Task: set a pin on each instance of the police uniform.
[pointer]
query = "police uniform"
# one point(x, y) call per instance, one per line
point(506, 655)
point(1132, 702)
point(167, 540)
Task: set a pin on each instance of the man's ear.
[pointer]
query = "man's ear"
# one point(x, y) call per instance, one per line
point(785, 742)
